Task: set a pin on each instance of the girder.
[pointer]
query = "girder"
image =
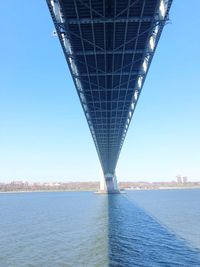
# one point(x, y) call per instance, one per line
point(106, 73)
point(108, 52)
point(109, 46)
point(108, 20)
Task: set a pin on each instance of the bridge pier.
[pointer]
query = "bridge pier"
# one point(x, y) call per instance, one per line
point(108, 184)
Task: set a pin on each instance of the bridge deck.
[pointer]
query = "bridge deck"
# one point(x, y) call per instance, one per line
point(109, 46)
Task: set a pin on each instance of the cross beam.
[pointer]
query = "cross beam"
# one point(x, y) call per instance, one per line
point(109, 20)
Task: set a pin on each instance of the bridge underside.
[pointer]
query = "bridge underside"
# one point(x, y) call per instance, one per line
point(109, 46)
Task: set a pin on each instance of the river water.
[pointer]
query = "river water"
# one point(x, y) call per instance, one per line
point(72, 229)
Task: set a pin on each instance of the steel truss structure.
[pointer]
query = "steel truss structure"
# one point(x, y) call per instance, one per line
point(109, 46)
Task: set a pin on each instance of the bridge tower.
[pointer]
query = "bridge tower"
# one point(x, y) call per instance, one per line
point(108, 184)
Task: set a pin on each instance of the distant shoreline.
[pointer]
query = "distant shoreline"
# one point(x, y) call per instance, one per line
point(164, 188)
point(30, 187)
point(92, 190)
point(44, 191)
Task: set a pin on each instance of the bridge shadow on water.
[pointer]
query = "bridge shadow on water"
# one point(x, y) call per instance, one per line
point(137, 239)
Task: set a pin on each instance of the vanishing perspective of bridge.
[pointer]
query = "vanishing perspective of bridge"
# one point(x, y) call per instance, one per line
point(109, 46)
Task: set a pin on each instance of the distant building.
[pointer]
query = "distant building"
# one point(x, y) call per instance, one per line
point(185, 179)
point(179, 179)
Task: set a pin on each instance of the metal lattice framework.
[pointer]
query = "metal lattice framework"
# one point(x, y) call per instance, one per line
point(109, 45)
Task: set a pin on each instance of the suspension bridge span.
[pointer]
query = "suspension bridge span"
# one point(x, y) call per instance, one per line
point(109, 46)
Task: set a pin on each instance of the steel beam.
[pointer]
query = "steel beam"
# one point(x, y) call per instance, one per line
point(109, 52)
point(109, 20)
point(107, 73)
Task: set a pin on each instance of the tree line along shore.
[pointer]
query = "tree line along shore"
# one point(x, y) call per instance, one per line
point(21, 186)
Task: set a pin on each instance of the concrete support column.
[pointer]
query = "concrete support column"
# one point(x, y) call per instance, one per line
point(109, 184)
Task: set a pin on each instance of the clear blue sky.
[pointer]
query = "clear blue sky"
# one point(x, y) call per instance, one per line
point(43, 132)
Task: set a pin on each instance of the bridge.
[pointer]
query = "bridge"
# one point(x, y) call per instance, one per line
point(109, 46)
